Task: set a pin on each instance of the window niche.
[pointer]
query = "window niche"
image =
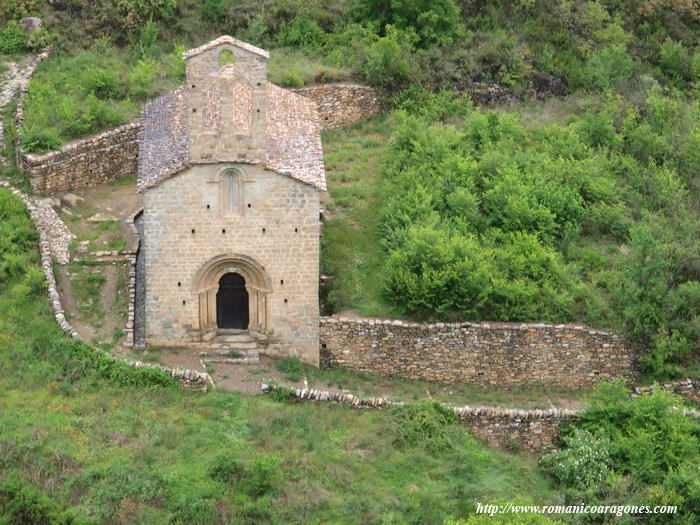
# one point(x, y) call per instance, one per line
point(231, 193)
point(226, 58)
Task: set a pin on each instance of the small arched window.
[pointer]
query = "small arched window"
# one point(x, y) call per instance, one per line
point(226, 57)
point(231, 193)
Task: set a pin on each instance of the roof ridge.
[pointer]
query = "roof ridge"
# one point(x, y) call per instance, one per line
point(225, 39)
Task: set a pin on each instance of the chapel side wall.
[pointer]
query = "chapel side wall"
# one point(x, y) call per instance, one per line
point(173, 254)
point(499, 354)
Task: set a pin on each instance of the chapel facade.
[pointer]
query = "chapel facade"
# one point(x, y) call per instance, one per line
point(230, 169)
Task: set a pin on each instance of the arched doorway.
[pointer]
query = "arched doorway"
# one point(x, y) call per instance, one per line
point(232, 302)
point(254, 280)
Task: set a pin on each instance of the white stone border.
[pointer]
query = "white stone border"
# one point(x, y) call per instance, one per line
point(348, 399)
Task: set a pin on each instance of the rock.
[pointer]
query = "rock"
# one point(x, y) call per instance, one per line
point(83, 247)
point(53, 202)
point(71, 199)
point(31, 24)
point(101, 217)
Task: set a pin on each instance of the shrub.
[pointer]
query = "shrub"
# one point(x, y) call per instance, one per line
point(20, 503)
point(648, 436)
point(673, 59)
point(610, 66)
point(78, 361)
point(227, 467)
point(425, 424)
point(388, 58)
point(13, 39)
point(434, 21)
point(584, 462)
point(16, 9)
point(258, 477)
point(301, 32)
point(292, 368)
point(435, 273)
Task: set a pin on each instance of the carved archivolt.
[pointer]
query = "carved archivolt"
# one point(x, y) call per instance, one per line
point(257, 283)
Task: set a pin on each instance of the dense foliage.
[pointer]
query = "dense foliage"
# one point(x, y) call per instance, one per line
point(595, 219)
point(530, 47)
point(632, 451)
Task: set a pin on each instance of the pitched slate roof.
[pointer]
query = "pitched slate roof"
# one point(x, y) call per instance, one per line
point(292, 140)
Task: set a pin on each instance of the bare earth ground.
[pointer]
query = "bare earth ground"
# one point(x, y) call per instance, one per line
point(102, 316)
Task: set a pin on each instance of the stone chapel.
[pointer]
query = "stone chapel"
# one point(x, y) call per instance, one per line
point(230, 169)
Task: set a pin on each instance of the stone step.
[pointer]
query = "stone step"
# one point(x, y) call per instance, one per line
point(227, 352)
point(237, 339)
point(239, 345)
point(234, 361)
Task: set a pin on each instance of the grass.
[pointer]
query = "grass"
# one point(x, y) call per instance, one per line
point(398, 389)
point(110, 451)
point(86, 288)
point(349, 248)
point(73, 95)
point(294, 68)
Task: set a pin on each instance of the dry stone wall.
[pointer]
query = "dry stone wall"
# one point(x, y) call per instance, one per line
point(342, 104)
point(532, 430)
point(98, 159)
point(500, 354)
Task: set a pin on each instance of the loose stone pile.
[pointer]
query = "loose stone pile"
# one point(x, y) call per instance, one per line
point(188, 378)
point(687, 388)
point(58, 235)
point(532, 430)
point(16, 78)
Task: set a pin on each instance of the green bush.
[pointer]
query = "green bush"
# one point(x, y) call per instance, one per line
point(436, 273)
point(388, 58)
point(624, 450)
point(426, 424)
point(13, 39)
point(301, 32)
point(16, 9)
point(609, 67)
point(22, 504)
point(257, 477)
point(673, 60)
point(434, 21)
point(583, 464)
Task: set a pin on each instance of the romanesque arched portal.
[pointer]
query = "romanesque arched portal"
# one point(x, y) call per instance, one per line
point(257, 285)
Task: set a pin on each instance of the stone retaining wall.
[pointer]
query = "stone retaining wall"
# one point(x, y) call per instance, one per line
point(342, 104)
point(532, 430)
point(98, 159)
point(500, 354)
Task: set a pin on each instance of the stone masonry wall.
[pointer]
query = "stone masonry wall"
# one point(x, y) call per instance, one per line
point(342, 104)
point(501, 354)
point(277, 226)
point(98, 159)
